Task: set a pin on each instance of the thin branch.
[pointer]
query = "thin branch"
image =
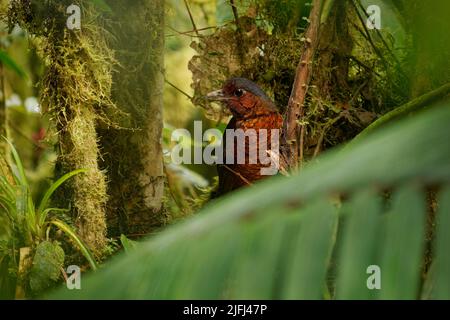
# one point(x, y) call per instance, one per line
point(188, 33)
point(384, 42)
point(291, 131)
point(235, 14)
point(240, 40)
point(191, 17)
point(322, 135)
point(369, 38)
point(375, 48)
point(178, 89)
point(364, 65)
point(238, 175)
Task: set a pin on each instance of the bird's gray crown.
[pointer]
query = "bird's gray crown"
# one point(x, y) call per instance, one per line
point(247, 85)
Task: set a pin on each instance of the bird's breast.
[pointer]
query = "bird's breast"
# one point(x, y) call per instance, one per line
point(253, 144)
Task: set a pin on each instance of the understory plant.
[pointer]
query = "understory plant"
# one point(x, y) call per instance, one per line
point(30, 259)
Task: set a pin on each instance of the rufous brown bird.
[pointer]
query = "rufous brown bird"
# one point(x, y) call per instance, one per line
point(251, 109)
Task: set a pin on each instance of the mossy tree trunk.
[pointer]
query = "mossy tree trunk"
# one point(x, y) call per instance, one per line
point(133, 158)
point(76, 90)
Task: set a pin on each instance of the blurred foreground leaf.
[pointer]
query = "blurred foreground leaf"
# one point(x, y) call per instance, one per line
point(276, 239)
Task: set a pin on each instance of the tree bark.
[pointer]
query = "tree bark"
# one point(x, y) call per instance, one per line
point(76, 89)
point(293, 132)
point(133, 156)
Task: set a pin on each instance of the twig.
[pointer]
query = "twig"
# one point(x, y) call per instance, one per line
point(240, 40)
point(369, 38)
point(384, 42)
point(322, 135)
point(295, 108)
point(178, 89)
point(191, 17)
point(238, 174)
point(187, 33)
point(63, 272)
point(235, 14)
point(364, 65)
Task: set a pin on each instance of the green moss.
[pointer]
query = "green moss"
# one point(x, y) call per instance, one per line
point(76, 90)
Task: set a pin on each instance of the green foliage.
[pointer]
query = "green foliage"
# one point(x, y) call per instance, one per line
point(285, 15)
point(404, 244)
point(11, 64)
point(309, 236)
point(80, 244)
point(441, 276)
point(28, 227)
point(77, 95)
point(102, 6)
point(127, 244)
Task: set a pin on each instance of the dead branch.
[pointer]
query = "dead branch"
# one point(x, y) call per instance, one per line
point(293, 131)
point(191, 18)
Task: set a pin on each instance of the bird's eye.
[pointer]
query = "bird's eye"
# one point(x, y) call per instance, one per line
point(239, 92)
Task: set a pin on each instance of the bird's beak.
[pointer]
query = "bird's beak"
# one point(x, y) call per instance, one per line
point(217, 95)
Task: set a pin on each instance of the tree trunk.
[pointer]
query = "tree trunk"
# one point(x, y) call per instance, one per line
point(133, 154)
point(76, 93)
point(293, 133)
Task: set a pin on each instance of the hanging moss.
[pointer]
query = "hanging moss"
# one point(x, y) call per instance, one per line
point(76, 91)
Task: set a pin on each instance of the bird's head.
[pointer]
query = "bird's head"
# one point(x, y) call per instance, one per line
point(243, 98)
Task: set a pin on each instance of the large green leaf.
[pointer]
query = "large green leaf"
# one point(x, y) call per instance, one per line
point(441, 273)
point(403, 245)
point(359, 248)
point(48, 194)
point(270, 231)
point(262, 244)
point(305, 278)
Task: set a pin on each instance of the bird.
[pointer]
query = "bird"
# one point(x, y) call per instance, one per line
point(251, 108)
